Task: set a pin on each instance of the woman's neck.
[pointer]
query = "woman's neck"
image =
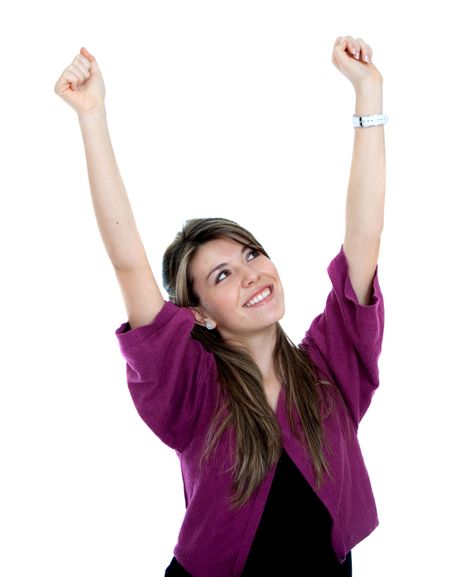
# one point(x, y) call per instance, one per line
point(261, 347)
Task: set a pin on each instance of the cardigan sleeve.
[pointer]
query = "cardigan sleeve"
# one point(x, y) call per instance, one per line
point(169, 374)
point(345, 340)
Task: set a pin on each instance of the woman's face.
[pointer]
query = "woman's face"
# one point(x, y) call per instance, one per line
point(239, 288)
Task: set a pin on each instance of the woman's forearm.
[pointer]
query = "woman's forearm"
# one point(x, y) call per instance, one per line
point(111, 204)
point(367, 182)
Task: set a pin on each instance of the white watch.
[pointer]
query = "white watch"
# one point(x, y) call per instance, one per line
point(370, 120)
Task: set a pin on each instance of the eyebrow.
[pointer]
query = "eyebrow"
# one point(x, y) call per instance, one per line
point(244, 248)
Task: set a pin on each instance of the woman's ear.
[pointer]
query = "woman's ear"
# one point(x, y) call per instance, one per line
point(202, 318)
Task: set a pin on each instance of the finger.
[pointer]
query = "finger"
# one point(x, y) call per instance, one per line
point(346, 43)
point(356, 49)
point(78, 71)
point(350, 45)
point(68, 78)
point(363, 50)
point(365, 53)
point(350, 41)
point(82, 66)
point(367, 56)
point(74, 76)
point(84, 60)
point(343, 48)
point(360, 47)
point(340, 46)
point(86, 53)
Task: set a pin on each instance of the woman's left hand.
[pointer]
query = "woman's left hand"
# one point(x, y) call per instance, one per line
point(353, 57)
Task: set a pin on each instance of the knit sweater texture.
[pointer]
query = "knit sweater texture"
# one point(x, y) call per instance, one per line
point(174, 384)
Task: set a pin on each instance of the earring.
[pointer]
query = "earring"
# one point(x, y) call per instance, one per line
point(209, 325)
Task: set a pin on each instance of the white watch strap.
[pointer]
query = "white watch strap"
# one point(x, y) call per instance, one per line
point(370, 120)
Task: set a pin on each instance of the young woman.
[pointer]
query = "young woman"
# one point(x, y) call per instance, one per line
point(266, 431)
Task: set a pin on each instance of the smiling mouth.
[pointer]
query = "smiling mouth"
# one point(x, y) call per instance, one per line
point(266, 292)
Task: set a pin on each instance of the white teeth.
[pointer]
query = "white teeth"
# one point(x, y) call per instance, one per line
point(265, 293)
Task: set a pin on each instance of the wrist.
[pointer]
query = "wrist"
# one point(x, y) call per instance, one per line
point(369, 99)
point(92, 116)
point(369, 87)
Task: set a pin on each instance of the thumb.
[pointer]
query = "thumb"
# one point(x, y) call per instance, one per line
point(94, 66)
point(86, 53)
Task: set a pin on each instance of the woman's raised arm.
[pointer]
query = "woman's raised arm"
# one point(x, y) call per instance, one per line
point(81, 86)
point(367, 181)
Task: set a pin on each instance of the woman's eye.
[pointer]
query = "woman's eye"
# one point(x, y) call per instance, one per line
point(253, 254)
point(223, 274)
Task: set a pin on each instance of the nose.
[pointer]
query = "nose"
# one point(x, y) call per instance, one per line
point(249, 277)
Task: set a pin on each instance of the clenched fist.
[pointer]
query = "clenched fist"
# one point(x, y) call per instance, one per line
point(81, 84)
point(353, 57)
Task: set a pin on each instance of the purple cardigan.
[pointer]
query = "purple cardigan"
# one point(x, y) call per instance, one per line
point(173, 382)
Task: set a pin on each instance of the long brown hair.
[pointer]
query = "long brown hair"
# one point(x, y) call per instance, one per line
point(256, 428)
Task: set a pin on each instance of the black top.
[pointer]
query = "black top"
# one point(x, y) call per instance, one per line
point(294, 534)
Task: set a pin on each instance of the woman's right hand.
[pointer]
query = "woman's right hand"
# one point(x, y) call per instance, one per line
point(81, 84)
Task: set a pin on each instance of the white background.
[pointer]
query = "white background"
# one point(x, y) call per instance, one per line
point(227, 109)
